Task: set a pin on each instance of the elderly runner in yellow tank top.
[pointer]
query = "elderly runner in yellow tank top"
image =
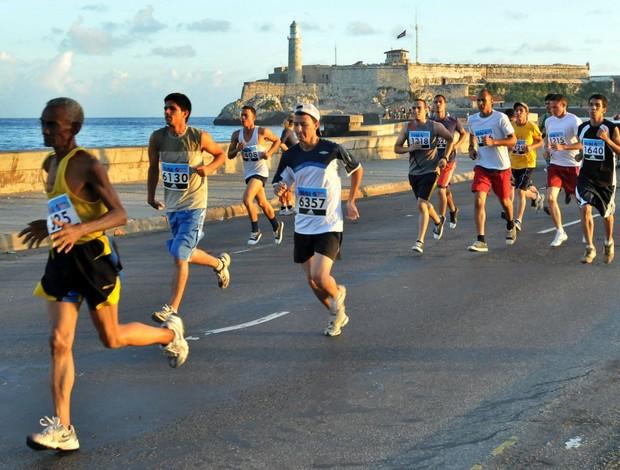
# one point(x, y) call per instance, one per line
point(82, 264)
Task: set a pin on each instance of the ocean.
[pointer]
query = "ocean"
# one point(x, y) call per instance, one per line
point(25, 133)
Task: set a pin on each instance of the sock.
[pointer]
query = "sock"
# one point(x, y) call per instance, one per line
point(510, 224)
point(255, 226)
point(274, 223)
point(219, 266)
point(481, 238)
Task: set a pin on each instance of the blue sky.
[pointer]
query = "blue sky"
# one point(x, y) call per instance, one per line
point(119, 58)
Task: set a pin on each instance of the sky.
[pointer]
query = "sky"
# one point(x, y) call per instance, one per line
point(120, 58)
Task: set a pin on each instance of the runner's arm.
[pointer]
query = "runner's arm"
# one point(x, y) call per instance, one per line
point(275, 141)
point(153, 175)
point(234, 147)
point(208, 145)
point(356, 182)
point(444, 133)
point(399, 145)
point(613, 141)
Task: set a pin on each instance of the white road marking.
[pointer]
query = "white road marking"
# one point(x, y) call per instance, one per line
point(240, 326)
point(549, 230)
point(573, 443)
point(192, 338)
point(255, 248)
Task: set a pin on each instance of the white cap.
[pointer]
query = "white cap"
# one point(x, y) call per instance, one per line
point(309, 109)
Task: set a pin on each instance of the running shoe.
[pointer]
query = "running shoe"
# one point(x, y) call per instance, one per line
point(223, 275)
point(609, 253)
point(178, 349)
point(588, 255)
point(160, 316)
point(54, 436)
point(518, 225)
point(418, 247)
point(278, 233)
point(438, 229)
point(334, 327)
point(511, 235)
point(478, 247)
point(336, 306)
point(539, 203)
point(453, 217)
point(560, 237)
point(254, 237)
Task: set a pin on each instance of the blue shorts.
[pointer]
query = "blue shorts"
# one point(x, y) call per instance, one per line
point(186, 227)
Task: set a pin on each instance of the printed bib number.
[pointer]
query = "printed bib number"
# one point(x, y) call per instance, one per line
point(481, 134)
point(60, 209)
point(441, 143)
point(175, 176)
point(519, 147)
point(594, 149)
point(312, 201)
point(557, 137)
point(251, 153)
point(420, 139)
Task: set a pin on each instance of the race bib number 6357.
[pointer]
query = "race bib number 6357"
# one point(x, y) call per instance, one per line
point(312, 201)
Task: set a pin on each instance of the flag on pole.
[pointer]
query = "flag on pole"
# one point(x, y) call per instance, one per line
point(402, 35)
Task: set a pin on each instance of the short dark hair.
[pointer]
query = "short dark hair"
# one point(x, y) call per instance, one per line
point(549, 96)
point(509, 112)
point(441, 96)
point(182, 101)
point(598, 96)
point(561, 98)
point(250, 108)
point(421, 100)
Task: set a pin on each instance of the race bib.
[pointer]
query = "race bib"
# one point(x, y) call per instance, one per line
point(61, 209)
point(251, 153)
point(175, 176)
point(594, 149)
point(557, 137)
point(312, 201)
point(481, 134)
point(420, 139)
point(441, 143)
point(519, 147)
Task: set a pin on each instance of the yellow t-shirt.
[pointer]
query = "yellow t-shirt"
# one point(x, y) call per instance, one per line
point(525, 136)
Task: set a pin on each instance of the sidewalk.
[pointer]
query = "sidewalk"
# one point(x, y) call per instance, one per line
point(225, 192)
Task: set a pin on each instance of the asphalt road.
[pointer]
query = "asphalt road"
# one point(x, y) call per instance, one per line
point(452, 360)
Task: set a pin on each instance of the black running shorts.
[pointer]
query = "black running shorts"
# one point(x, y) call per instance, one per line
point(327, 244)
point(423, 185)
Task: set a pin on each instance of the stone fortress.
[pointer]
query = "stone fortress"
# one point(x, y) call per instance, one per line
point(371, 88)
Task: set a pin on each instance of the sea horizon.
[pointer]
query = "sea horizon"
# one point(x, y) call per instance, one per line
point(24, 134)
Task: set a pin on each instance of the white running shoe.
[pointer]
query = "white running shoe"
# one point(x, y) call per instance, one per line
point(336, 306)
point(479, 247)
point(254, 237)
point(335, 326)
point(54, 436)
point(178, 349)
point(162, 315)
point(278, 233)
point(560, 237)
point(223, 275)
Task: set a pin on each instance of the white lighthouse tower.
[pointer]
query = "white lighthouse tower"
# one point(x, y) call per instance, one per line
point(294, 55)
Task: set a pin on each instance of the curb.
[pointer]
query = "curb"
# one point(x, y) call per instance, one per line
point(10, 242)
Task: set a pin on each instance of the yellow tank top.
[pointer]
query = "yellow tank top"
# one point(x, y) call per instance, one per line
point(85, 210)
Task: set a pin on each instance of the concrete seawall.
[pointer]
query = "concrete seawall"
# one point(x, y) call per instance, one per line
point(20, 172)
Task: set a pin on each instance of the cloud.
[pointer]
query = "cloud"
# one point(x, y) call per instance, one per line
point(515, 15)
point(267, 27)
point(95, 41)
point(360, 28)
point(177, 52)
point(208, 25)
point(56, 75)
point(97, 7)
point(310, 26)
point(145, 23)
point(490, 50)
point(544, 47)
point(6, 57)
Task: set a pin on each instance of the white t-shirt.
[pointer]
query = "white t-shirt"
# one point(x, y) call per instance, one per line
point(497, 125)
point(563, 131)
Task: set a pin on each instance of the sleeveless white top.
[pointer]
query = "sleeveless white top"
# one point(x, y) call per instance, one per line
point(252, 154)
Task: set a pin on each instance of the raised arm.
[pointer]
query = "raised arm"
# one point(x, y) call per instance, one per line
point(269, 136)
point(207, 144)
point(399, 147)
point(153, 175)
point(235, 146)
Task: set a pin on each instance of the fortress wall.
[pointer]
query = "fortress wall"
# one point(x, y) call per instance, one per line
point(251, 89)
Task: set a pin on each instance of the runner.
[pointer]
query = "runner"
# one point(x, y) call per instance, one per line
point(179, 148)
point(313, 167)
point(453, 125)
point(548, 112)
point(523, 161)
point(596, 183)
point(287, 140)
point(492, 132)
point(82, 264)
point(250, 141)
point(422, 137)
point(562, 145)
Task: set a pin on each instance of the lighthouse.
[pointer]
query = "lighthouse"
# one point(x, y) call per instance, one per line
point(294, 55)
